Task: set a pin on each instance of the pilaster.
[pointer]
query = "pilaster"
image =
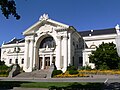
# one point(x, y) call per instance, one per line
point(26, 64)
point(51, 58)
point(65, 38)
point(31, 53)
point(58, 53)
point(43, 62)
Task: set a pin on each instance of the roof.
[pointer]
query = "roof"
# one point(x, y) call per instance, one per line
point(98, 32)
point(14, 40)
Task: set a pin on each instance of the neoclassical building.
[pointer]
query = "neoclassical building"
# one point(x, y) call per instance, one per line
point(50, 42)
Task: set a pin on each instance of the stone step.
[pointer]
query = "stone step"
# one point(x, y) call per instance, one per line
point(37, 74)
point(46, 73)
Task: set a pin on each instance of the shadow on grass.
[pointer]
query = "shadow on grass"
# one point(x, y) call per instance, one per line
point(78, 86)
point(10, 84)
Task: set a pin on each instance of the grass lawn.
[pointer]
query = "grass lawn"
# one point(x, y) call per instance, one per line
point(71, 85)
point(45, 84)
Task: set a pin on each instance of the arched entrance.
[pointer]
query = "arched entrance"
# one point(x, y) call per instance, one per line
point(46, 52)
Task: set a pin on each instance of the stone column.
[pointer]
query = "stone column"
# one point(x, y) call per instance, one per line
point(34, 57)
point(65, 53)
point(51, 58)
point(26, 57)
point(69, 49)
point(31, 54)
point(43, 62)
point(58, 53)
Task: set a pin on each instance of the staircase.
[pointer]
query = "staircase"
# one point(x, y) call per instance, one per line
point(34, 74)
point(46, 73)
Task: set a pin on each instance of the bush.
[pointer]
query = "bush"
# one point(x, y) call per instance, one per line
point(85, 68)
point(2, 63)
point(104, 67)
point(72, 72)
point(71, 68)
point(3, 67)
point(4, 71)
point(56, 72)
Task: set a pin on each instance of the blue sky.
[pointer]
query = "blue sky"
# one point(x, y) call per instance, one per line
point(82, 14)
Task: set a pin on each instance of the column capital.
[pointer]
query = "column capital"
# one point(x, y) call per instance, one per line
point(65, 37)
point(27, 41)
point(32, 40)
point(59, 37)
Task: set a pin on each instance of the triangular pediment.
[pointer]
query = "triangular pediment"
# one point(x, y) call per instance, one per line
point(44, 24)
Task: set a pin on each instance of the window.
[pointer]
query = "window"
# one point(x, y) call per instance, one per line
point(48, 41)
point(80, 61)
point(77, 46)
point(73, 43)
point(16, 61)
point(73, 61)
point(22, 62)
point(10, 61)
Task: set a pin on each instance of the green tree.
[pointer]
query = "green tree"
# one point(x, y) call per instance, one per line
point(8, 7)
point(105, 56)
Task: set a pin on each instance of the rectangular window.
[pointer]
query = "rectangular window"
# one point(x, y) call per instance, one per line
point(80, 61)
point(73, 61)
point(16, 61)
point(10, 61)
point(22, 62)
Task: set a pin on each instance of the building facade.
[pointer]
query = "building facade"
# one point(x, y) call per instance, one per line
point(50, 42)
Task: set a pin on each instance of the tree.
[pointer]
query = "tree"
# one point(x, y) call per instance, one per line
point(105, 56)
point(8, 7)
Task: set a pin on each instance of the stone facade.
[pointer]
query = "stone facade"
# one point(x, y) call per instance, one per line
point(49, 42)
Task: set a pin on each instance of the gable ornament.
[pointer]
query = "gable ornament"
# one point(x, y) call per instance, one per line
point(44, 17)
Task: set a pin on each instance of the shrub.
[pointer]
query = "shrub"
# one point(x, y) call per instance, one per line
point(72, 72)
point(56, 72)
point(85, 68)
point(3, 67)
point(104, 67)
point(4, 71)
point(71, 68)
point(2, 63)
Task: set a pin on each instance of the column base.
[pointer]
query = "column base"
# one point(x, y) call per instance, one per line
point(27, 70)
point(64, 69)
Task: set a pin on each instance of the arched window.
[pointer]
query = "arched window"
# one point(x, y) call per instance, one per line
point(47, 42)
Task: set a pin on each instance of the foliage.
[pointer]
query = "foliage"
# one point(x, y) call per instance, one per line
point(51, 85)
point(72, 72)
point(78, 86)
point(3, 67)
point(8, 7)
point(4, 71)
point(85, 68)
point(105, 56)
point(70, 67)
point(67, 75)
point(2, 63)
point(56, 72)
point(100, 72)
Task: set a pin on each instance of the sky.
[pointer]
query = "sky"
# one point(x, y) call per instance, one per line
point(81, 14)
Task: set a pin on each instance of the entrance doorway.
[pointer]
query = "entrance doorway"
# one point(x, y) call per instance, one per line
point(40, 63)
point(47, 62)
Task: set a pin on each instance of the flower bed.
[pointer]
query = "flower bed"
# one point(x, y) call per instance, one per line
point(100, 72)
point(87, 73)
point(67, 75)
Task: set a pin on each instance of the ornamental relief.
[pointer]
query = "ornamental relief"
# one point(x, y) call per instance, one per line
point(46, 29)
